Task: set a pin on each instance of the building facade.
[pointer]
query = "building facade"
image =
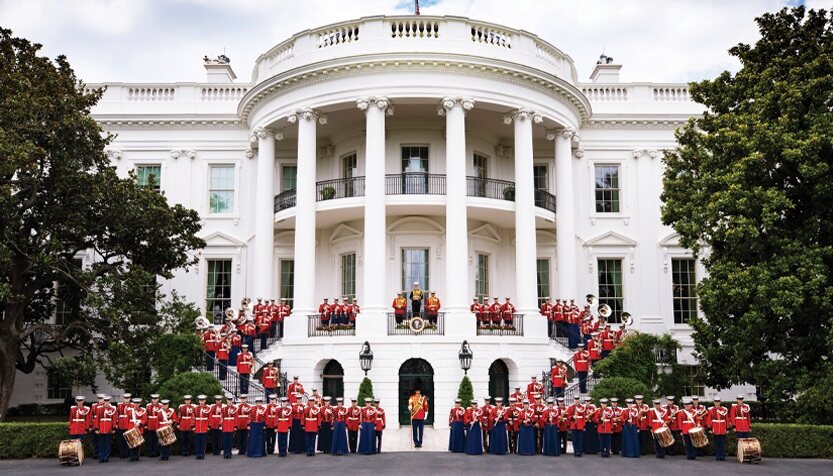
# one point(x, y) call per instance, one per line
point(466, 156)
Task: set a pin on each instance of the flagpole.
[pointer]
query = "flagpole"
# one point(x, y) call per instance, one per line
point(416, 7)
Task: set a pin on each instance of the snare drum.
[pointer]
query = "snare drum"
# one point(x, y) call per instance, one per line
point(134, 438)
point(698, 437)
point(166, 436)
point(749, 450)
point(664, 436)
point(71, 453)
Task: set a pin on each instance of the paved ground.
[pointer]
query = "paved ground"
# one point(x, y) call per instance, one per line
point(415, 463)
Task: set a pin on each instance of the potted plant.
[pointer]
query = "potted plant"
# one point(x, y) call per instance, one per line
point(328, 193)
point(509, 194)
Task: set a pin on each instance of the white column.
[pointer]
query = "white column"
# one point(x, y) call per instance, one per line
point(375, 232)
point(456, 221)
point(526, 252)
point(565, 215)
point(264, 249)
point(304, 289)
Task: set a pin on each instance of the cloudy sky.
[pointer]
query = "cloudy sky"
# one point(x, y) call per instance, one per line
point(165, 40)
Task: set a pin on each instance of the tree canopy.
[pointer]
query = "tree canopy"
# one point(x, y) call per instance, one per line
point(750, 190)
point(61, 200)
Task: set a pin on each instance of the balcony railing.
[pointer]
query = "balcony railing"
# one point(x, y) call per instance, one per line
point(411, 327)
point(339, 188)
point(414, 183)
point(490, 188)
point(514, 329)
point(231, 380)
point(545, 200)
point(316, 329)
point(285, 200)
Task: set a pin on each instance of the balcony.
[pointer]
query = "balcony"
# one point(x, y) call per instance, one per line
point(414, 183)
point(411, 327)
point(316, 329)
point(339, 188)
point(514, 329)
point(490, 188)
point(285, 200)
point(545, 200)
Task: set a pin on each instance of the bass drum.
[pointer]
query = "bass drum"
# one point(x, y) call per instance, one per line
point(749, 450)
point(71, 453)
point(664, 436)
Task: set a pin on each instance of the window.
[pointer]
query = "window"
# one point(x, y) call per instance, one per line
point(610, 287)
point(348, 165)
point(539, 177)
point(684, 283)
point(481, 173)
point(68, 297)
point(348, 275)
point(607, 189)
point(221, 189)
point(56, 388)
point(149, 176)
point(414, 158)
point(218, 290)
point(481, 279)
point(415, 268)
point(287, 280)
point(289, 177)
point(693, 385)
point(543, 266)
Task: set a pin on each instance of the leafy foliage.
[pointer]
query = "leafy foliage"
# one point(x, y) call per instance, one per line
point(174, 354)
point(621, 388)
point(60, 199)
point(636, 359)
point(465, 392)
point(749, 189)
point(365, 391)
point(190, 383)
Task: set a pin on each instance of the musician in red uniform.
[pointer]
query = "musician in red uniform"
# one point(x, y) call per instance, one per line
point(604, 425)
point(245, 362)
point(284, 312)
point(229, 425)
point(324, 310)
point(105, 425)
point(594, 347)
point(153, 409)
point(658, 418)
point(546, 311)
point(274, 311)
point(558, 377)
point(534, 387)
point(456, 423)
point(740, 417)
point(563, 423)
point(264, 323)
point(686, 422)
point(123, 423)
point(202, 412)
point(248, 330)
point(432, 307)
point(616, 437)
point(137, 419)
point(673, 424)
point(215, 423)
point(354, 311)
point(557, 313)
point(166, 416)
point(209, 343)
point(577, 415)
point(477, 310)
point(271, 426)
point(94, 424)
point(507, 311)
point(269, 379)
point(418, 406)
point(608, 338)
point(353, 419)
point(486, 423)
point(643, 427)
point(517, 395)
point(537, 404)
point(186, 414)
point(337, 312)
point(630, 431)
point(514, 423)
point(284, 422)
point(495, 312)
point(312, 420)
point(223, 351)
point(717, 420)
point(79, 419)
point(297, 438)
point(582, 363)
point(381, 424)
point(257, 420)
point(294, 388)
point(400, 308)
point(243, 418)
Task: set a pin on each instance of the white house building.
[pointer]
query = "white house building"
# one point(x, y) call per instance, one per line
point(367, 155)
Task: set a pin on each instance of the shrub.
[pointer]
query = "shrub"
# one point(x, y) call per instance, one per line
point(174, 354)
point(365, 391)
point(193, 383)
point(465, 392)
point(621, 388)
point(38, 409)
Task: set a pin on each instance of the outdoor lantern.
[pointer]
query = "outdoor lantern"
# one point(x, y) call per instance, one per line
point(366, 357)
point(465, 355)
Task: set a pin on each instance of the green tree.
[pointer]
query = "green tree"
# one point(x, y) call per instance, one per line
point(60, 198)
point(173, 354)
point(190, 383)
point(749, 189)
point(365, 391)
point(465, 392)
point(621, 388)
point(637, 359)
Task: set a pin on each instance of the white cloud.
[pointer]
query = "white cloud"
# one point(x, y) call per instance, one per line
point(164, 40)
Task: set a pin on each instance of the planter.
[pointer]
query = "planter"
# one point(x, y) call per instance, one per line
point(328, 193)
point(509, 194)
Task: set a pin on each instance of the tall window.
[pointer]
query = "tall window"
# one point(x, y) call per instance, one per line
point(287, 287)
point(348, 165)
point(348, 275)
point(414, 158)
point(543, 266)
point(415, 268)
point(610, 287)
point(149, 176)
point(693, 384)
point(684, 283)
point(481, 279)
point(218, 289)
point(607, 189)
point(221, 189)
point(539, 177)
point(68, 297)
point(481, 173)
point(56, 388)
point(289, 177)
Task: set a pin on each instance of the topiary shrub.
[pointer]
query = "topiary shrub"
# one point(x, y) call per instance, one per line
point(365, 391)
point(621, 388)
point(192, 383)
point(465, 392)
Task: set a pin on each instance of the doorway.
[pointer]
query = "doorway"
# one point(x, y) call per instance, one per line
point(499, 380)
point(333, 380)
point(415, 374)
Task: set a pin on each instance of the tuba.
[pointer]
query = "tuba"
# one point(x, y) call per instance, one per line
point(245, 304)
point(230, 314)
point(627, 318)
point(590, 299)
point(605, 311)
point(202, 323)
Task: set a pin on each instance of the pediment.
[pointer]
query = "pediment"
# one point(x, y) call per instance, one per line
point(219, 239)
point(486, 232)
point(611, 238)
point(344, 232)
point(415, 225)
point(671, 241)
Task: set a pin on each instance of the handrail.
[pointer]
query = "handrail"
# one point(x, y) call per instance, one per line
point(316, 329)
point(490, 188)
point(545, 199)
point(404, 328)
point(339, 188)
point(517, 328)
point(285, 199)
point(414, 183)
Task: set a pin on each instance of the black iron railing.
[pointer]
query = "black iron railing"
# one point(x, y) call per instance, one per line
point(414, 183)
point(490, 188)
point(573, 389)
point(411, 327)
point(231, 380)
point(285, 200)
point(545, 200)
point(503, 329)
point(316, 329)
point(339, 188)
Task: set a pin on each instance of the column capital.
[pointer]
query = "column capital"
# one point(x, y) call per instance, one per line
point(523, 114)
point(306, 114)
point(381, 102)
point(568, 133)
point(449, 103)
point(262, 132)
point(250, 153)
point(177, 153)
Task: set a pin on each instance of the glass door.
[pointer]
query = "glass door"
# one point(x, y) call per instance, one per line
point(414, 169)
point(481, 172)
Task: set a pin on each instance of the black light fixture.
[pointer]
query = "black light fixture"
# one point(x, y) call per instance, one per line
point(465, 355)
point(366, 357)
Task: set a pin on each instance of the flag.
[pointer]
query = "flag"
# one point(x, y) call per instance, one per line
point(416, 7)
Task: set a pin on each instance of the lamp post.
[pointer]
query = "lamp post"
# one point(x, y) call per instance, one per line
point(465, 356)
point(366, 357)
